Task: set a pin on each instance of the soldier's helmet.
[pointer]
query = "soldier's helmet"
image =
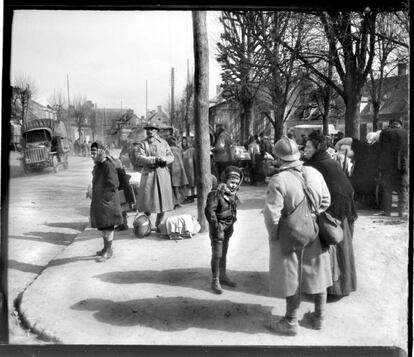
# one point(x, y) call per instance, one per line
point(142, 226)
point(286, 149)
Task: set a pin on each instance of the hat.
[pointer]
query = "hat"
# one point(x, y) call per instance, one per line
point(232, 172)
point(96, 145)
point(286, 149)
point(151, 125)
point(395, 121)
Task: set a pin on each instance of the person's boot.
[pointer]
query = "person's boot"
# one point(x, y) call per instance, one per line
point(103, 250)
point(108, 252)
point(124, 225)
point(215, 286)
point(224, 279)
point(215, 283)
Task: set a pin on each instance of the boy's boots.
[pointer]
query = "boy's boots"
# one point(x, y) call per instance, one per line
point(224, 279)
point(215, 284)
point(107, 254)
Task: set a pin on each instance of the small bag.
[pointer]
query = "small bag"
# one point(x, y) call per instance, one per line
point(298, 228)
point(330, 229)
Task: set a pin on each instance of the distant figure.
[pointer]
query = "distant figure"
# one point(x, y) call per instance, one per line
point(393, 166)
point(155, 192)
point(190, 169)
point(254, 151)
point(179, 179)
point(222, 156)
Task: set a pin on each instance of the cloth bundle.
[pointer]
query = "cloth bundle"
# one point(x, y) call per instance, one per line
point(179, 227)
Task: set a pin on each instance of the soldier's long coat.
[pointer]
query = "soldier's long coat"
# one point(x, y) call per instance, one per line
point(285, 192)
point(155, 191)
point(105, 206)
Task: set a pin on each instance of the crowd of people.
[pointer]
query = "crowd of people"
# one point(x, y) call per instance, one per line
point(317, 166)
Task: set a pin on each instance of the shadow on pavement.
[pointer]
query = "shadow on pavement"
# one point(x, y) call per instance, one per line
point(78, 226)
point(179, 313)
point(63, 261)
point(57, 238)
point(24, 267)
point(250, 282)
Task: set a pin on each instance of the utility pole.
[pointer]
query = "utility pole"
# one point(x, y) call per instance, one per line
point(146, 99)
point(172, 96)
point(201, 129)
point(67, 81)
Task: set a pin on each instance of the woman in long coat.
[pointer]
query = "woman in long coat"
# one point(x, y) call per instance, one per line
point(155, 192)
point(284, 193)
point(105, 208)
point(179, 179)
point(189, 167)
point(342, 207)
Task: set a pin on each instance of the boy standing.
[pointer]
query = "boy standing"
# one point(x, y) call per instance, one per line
point(221, 212)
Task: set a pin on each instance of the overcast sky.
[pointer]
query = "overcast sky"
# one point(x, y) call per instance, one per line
point(109, 55)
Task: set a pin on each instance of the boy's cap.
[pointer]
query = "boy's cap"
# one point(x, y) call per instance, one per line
point(232, 172)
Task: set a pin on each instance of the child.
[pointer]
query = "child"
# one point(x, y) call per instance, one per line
point(220, 212)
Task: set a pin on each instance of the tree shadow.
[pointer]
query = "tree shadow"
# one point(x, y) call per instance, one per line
point(250, 282)
point(179, 313)
point(24, 267)
point(63, 261)
point(56, 238)
point(78, 226)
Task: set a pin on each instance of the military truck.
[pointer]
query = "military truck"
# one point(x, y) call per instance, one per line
point(44, 144)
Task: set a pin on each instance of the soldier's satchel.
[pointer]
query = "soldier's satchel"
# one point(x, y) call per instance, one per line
point(330, 229)
point(298, 228)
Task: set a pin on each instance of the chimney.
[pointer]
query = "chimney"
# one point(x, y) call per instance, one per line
point(402, 69)
point(159, 108)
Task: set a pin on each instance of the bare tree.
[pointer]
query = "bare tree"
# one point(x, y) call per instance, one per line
point(57, 102)
point(237, 51)
point(390, 51)
point(80, 110)
point(202, 138)
point(23, 91)
point(279, 70)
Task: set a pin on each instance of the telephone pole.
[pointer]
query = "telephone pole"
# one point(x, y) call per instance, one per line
point(172, 96)
point(67, 82)
point(146, 99)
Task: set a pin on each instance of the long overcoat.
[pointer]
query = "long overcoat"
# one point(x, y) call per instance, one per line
point(178, 174)
point(105, 206)
point(155, 191)
point(189, 166)
point(285, 192)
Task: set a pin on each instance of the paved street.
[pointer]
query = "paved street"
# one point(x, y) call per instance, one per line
point(46, 212)
point(156, 291)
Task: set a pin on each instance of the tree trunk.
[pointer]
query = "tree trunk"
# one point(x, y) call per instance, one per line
point(326, 115)
point(278, 125)
point(352, 115)
point(201, 128)
point(376, 108)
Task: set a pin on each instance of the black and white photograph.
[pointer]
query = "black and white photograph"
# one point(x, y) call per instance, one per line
point(234, 177)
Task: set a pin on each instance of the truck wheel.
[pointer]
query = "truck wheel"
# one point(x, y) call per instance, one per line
point(55, 164)
point(66, 162)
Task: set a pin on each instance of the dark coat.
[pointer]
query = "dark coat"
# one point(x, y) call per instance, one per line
point(105, 206)
point(393, 149)
point(221, 209)
point(340, 188)
point(342, 207)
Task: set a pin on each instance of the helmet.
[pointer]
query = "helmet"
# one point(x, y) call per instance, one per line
point(286, 149)
point(142, 225)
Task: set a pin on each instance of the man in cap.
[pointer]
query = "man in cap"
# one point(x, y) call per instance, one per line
point(155, 192)
point(393, 166)
point(220, 211)
point(304, 271)
point(105, 205)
